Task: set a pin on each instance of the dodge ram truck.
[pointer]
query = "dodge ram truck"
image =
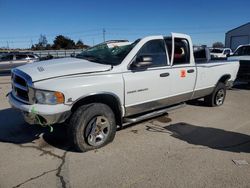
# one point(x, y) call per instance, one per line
point(117, 83)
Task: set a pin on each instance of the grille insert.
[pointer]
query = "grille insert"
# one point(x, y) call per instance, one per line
point(20, 89)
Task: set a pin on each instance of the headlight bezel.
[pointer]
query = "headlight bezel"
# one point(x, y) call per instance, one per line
point(47, 97)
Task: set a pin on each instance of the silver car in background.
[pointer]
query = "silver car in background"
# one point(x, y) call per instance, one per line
point(12, 60)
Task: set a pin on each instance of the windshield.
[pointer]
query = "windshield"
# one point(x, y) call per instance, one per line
point(244, 50)
point(217, 51)
point(108, 53)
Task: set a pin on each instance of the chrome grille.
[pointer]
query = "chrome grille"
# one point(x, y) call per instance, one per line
point(20, 86)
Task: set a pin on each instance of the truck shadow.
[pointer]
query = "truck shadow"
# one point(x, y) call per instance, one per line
point(197, 102)
point(205, 136)
point(13, 129)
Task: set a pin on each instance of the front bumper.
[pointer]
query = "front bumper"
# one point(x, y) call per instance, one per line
point(45, 119)
point(41, 114)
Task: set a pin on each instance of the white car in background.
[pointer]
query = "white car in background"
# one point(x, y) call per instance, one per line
point(220, 53)
point(9, 61)
point(242, 54)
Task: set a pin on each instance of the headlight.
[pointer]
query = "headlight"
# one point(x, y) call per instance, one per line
point(49, 97)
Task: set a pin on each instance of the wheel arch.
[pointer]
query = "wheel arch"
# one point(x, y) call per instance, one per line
point(224, 79)
point(107, 98)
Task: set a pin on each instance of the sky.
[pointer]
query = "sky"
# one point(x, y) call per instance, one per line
point(23, 21)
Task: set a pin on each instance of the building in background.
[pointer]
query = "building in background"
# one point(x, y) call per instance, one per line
point(238, 36)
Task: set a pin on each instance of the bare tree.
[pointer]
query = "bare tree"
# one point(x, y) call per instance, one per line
point(218, 45)
point(43, 41)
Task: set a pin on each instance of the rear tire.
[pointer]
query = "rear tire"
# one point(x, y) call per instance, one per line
point(92, 126)
point(218, 96)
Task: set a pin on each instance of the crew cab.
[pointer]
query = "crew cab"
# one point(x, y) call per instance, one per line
point(242, 54)
point(117, 83)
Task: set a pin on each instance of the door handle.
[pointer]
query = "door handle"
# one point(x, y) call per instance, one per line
point(164, 74)
point(190, 71)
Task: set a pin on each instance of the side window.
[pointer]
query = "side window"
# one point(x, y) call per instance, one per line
point(244, 50)
point(226, 52)
point(181, 52)
point(238, 51)
point(21, 57)
point(200, 55)
point(156, 50)
point(7, 58)
point(31, 56)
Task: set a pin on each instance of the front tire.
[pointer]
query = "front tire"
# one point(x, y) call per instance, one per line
point(92, 126)
point(218, 96)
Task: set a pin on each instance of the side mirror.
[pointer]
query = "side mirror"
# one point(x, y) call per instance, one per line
point(228, 55)
point(142, 62)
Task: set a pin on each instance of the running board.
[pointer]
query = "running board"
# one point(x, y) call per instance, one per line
point(150, 115)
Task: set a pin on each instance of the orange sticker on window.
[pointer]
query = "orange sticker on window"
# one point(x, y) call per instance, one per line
point(183, 73)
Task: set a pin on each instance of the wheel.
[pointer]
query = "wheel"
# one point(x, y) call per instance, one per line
point(217, 97)
point(92, 126)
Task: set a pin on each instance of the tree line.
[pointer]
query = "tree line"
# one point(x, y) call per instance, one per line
point(60, 42)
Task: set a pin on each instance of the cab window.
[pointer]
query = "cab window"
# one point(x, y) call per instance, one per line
point(226, 52)
point(181, 52)
point(155, 49)
point(244, 50)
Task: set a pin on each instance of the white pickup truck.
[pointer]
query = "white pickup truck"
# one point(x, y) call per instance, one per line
point(220, 53)
point(117, 83)
point(242, 54)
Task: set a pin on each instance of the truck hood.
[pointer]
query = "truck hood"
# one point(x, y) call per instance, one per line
point(61, 67)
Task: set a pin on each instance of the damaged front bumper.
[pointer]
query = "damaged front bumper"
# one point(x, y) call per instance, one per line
point(45, 119)
point(41, 114)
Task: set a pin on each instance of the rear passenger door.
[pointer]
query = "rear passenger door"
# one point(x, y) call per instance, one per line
point(183, 71)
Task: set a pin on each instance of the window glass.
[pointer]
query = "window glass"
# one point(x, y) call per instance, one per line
point(244, 50)
point(108, 53)
point(156, 50)
point(216, 51)
point(31, 56)
point(181, 52)
point(7, 58)
point(227, 52)
point(200, 54)
point(21, 57)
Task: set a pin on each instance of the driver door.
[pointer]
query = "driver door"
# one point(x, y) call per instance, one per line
point(147, 86)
